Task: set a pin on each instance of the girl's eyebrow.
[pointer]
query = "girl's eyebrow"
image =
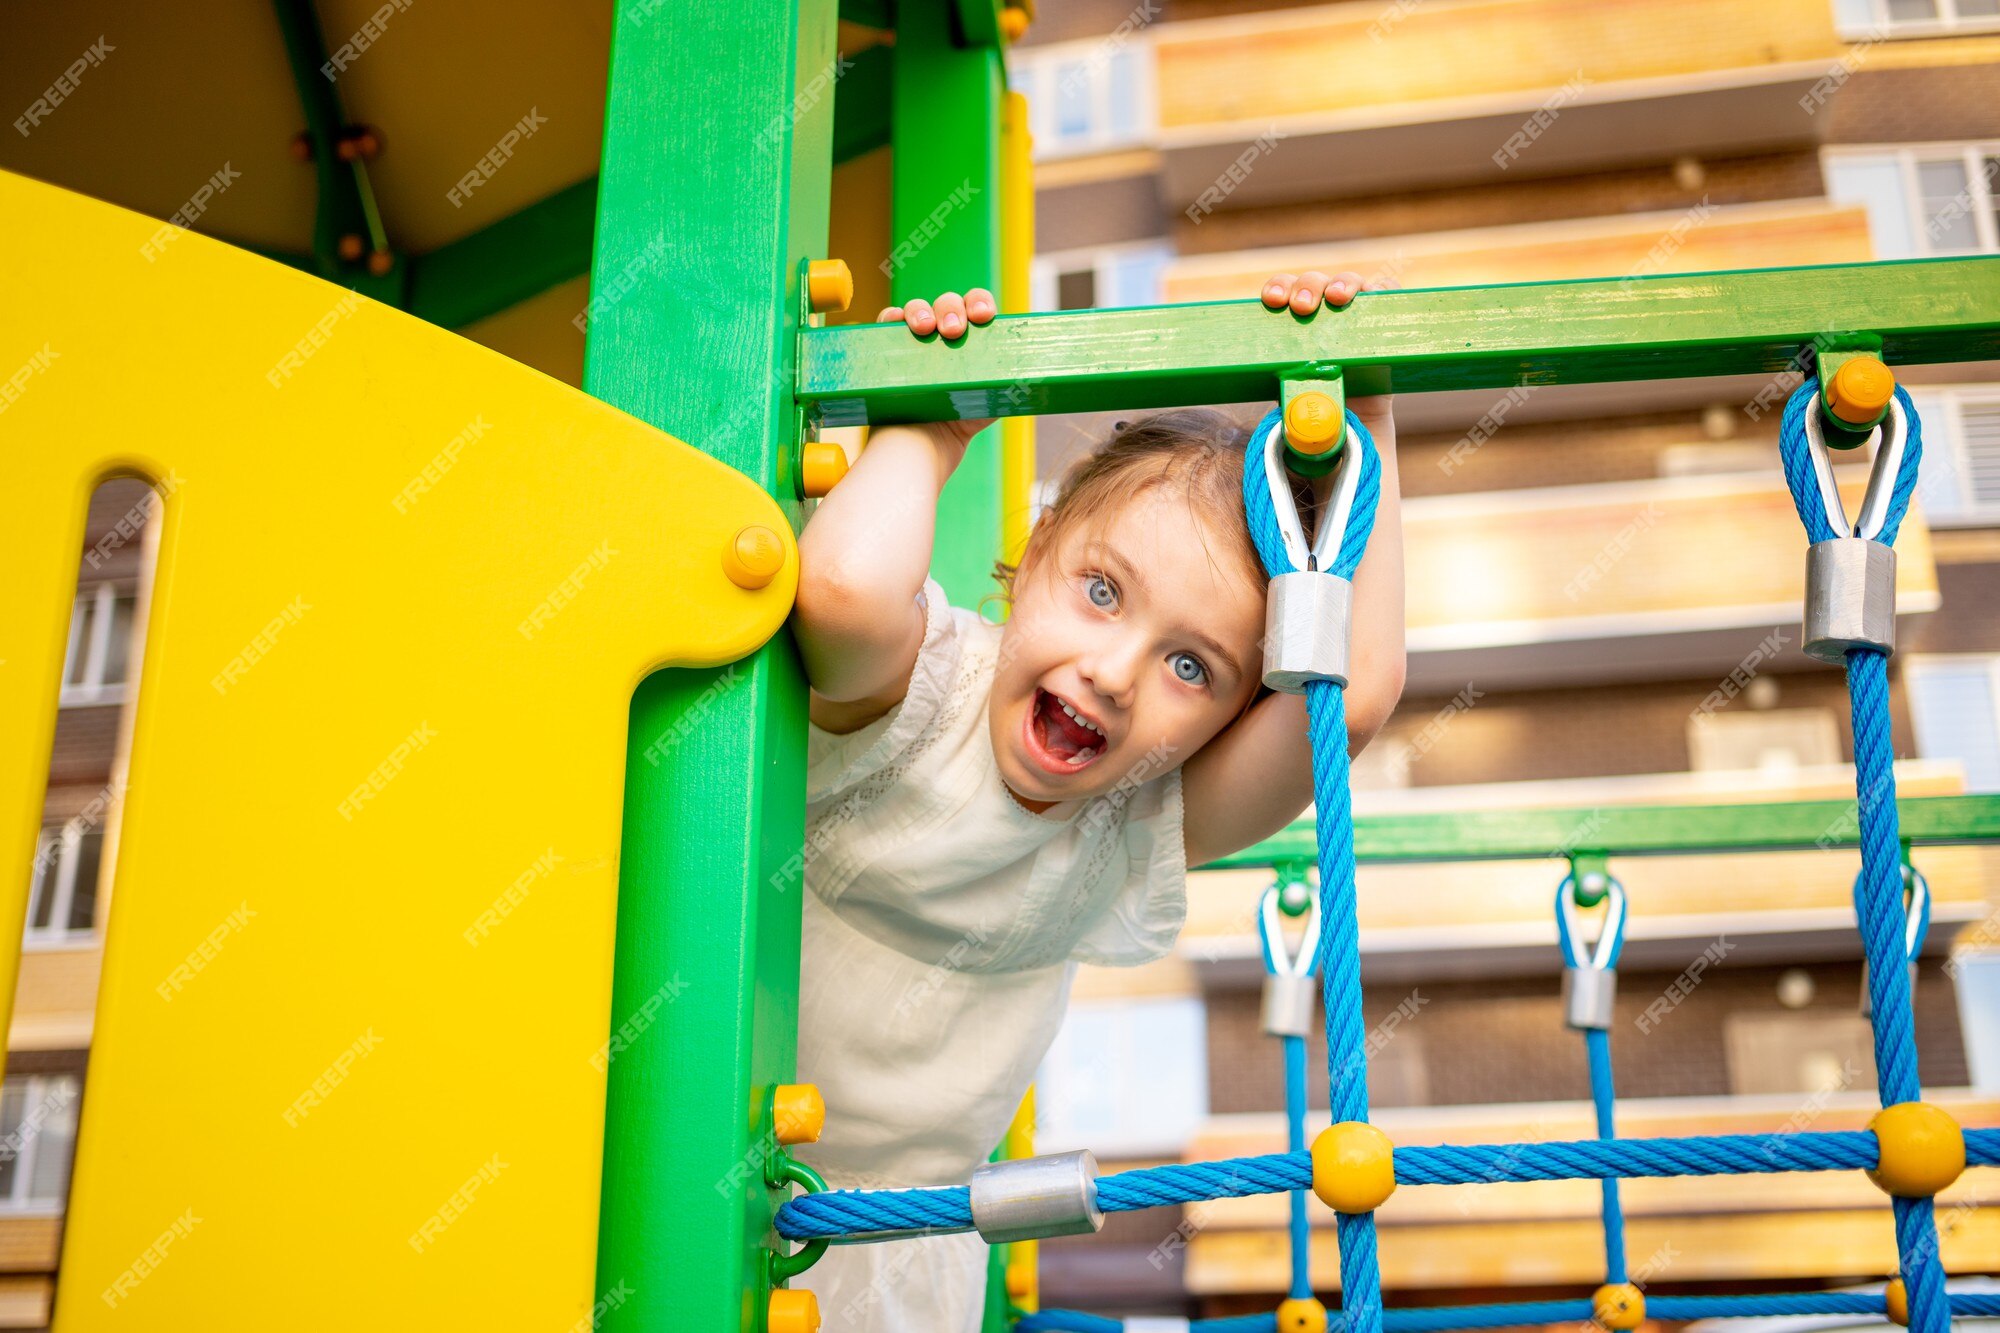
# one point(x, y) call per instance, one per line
point(1130, 573)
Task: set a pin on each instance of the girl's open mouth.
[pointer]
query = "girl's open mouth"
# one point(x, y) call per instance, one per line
point(1058, 737)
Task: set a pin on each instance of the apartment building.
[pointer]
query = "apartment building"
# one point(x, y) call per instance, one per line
point(1603, 604)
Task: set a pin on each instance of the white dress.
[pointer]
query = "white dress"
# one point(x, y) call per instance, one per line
point(943, 922)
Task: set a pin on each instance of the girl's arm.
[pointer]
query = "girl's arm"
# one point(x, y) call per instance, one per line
point(865, 554)
point(1256, 777)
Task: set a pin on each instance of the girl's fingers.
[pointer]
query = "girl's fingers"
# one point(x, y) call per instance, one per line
point(1306, 295)
point(980, 307)
point(920, 317)
point(1278, 291)
point(950, 311)
point(892, 314)
point(1342, 289)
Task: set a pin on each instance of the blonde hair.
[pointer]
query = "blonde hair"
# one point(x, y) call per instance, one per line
point(1195, 450)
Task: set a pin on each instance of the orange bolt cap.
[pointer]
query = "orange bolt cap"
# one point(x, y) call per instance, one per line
point(1898, 1298)
point(1618, 1305)
point(1014, 23)
point(753, 557)
point(829, 285)
point(1861, 388)
point(821, 466)
point(798, 1112)
point(1354, 1168)
point(1312, 422)
point(350, 248)
point(793, 1311)
point(380, 262)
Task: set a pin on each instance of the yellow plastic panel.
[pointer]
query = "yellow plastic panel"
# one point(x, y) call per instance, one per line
point(351, 1038)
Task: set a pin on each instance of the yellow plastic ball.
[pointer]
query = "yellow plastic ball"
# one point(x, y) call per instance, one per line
point(1014, 23)
point(1618, 1305)
point(1922, 1147)
point(1898, 1298)
point(793, 1311)
point(1354, 1167)
point(798, 1113)
point(1302, 1316)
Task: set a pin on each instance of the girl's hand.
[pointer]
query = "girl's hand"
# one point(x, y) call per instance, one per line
point(950, 317)
point(1302, 293)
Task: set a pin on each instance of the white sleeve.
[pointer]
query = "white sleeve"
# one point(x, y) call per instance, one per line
point(834, 763)
point(1146, 916)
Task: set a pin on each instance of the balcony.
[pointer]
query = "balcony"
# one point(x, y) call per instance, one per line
point(1367, 98)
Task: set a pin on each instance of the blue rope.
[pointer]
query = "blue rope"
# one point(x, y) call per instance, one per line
point(1338, 960)
point(1880, 906)
point(1597, 1042)
point(1295, 1140)
point(838, 1214)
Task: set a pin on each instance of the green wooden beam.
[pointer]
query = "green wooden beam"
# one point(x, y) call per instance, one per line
point(521, 255)
point(700, 341)
point(1661, 327)
point(1639, 830)
point(944, 225)
point(861, 104)
point(978, 22)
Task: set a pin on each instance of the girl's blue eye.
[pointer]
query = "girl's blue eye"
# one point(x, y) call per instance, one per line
point(1100, 591)
point(1188, 667)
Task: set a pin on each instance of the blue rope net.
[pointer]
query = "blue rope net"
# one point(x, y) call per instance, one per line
point(856, 1214)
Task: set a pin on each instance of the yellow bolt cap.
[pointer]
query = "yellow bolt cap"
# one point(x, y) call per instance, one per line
point(1312, 422)
point(798, 1112)
point(1861, 388)
point(1301, 1316)
point(1353, 1167)
point(1922, 1148)
point(793, 1311)
point(1618, 1305)
point(829, 285)
point(821, 466)
point(1898, 1298)
point(1014, 24)
point(753, 557)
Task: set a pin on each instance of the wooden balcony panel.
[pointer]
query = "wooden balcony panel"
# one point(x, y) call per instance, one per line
point(55, 1004)
point(1780, 235)
point(29, 1244)
point(26, 1302)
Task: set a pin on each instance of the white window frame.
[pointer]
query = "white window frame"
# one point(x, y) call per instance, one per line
point(1917, 665)
point(1944, 433)
point(1096, 54)
point(56, 855)
point(1985, 192)
point(95, 608)
point(42, 1089)
point(1045, 272)
point(1881, 25)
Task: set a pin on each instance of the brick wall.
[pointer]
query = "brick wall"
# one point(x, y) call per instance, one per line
point(1503, 1040)
point(1916, 105)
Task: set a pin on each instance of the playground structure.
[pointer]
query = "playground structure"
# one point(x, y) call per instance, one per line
point(590, 1106)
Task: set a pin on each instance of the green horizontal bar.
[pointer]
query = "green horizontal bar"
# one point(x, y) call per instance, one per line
point(1638, 830)
point(508, 261)
point(1585, 331)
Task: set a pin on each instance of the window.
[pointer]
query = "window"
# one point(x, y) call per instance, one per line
point(1108, 278)
point(37, 1140)
point(100, 642)
point(1937, 199)
point(1914, 18)
point(1955, 708)
point(1128, 1078)
point(1774, 741)
point(62, 897)
point(1959, 484)
point(1087, 97)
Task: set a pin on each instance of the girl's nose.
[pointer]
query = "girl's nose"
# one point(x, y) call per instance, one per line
point(1114, 672)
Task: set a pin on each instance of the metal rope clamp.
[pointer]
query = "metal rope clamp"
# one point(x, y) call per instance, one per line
point(1309, 615)
point(1590, 981)
point(1029, 1198)
point(1289, 985)
point(1917, 923)
point(1851, 578)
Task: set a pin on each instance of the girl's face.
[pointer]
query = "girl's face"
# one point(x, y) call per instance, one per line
point(1127, 651)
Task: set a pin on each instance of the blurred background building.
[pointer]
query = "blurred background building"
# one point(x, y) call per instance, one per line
point(1603, 580)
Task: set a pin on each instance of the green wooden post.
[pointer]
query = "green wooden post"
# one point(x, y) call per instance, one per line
point(717, 169)
point(944, 228)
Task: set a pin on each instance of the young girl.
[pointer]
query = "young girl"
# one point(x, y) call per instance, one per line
point(990, 805)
